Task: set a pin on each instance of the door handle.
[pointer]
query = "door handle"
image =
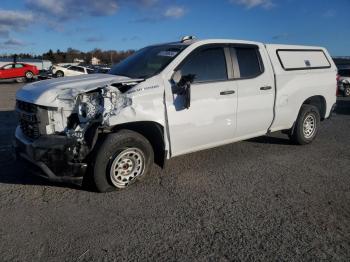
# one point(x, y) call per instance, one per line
point(228, 92)
point(265, 88)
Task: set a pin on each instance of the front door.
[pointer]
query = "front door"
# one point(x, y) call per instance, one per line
point(211, 118)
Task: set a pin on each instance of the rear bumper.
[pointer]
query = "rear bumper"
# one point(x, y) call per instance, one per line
point(49, 157)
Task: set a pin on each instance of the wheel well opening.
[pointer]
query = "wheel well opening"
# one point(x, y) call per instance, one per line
point(153, 132)
point(319, 102)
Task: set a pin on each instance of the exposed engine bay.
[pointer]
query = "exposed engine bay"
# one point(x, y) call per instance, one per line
point(95, 107)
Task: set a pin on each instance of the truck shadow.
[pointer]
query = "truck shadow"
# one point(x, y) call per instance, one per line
point(343, 106)
point(270, 140)
point(16, 173)
point(12, 171)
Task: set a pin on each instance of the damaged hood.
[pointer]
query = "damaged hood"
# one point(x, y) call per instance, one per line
point(46, 92)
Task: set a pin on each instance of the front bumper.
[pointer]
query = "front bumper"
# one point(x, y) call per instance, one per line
point(50, 157)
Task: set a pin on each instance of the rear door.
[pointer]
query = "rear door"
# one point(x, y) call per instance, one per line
point(211, 118)
point(255, 80)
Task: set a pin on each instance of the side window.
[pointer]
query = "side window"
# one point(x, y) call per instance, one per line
point(207, 65)
point(77, 68)
point(81, 69)
point(10, 66)
point(249, 62)
point(18, 66)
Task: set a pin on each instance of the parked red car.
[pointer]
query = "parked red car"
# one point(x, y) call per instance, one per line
point(18, 71)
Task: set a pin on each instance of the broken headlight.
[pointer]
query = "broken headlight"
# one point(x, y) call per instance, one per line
point(90, 106)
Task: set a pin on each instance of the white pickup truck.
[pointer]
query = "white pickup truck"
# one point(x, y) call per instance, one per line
point(168, 100)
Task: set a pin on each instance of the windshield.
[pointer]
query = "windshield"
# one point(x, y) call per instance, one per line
point(148, 61)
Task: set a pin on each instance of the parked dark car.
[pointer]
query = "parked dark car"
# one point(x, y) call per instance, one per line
point(344, 81)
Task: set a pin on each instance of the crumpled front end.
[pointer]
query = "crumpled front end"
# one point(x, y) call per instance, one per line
point(57, 140)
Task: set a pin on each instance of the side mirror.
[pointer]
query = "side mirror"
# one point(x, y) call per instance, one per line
point(183, 87)
point(177, 77)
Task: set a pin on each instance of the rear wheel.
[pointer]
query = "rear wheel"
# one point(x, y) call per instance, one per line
point(306, 126)
point(122, 159)
point(20, 79)
point(59, 74)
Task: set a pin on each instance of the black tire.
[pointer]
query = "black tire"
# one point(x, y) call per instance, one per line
point(114, 148)
point(29, 75)
point(346, 91)
point(20, 79)
point(306, 126)
point(59, 73)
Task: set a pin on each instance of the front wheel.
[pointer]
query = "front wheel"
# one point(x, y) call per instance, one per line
point(123, 158)
point(307, 125)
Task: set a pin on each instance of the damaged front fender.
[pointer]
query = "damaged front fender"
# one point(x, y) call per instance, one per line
point(95, 109)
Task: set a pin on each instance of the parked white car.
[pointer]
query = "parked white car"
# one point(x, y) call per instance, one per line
point(168, 100)
point(72, 70)
point(344, 81)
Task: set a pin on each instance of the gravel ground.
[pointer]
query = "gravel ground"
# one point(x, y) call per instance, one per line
point(262, 199)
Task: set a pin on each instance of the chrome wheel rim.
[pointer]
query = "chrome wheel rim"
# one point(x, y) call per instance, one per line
point(309, 126)
point(347, 91)
point(29, 75)
point(126, 167)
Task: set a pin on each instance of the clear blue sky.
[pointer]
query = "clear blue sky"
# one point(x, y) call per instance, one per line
point(34, 26)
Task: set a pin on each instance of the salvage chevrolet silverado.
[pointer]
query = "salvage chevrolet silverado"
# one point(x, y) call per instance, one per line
point(171, 99)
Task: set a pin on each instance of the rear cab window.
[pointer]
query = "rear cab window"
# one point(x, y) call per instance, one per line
point(249, 62)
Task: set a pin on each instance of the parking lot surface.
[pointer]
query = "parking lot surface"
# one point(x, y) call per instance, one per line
point(262, 199)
